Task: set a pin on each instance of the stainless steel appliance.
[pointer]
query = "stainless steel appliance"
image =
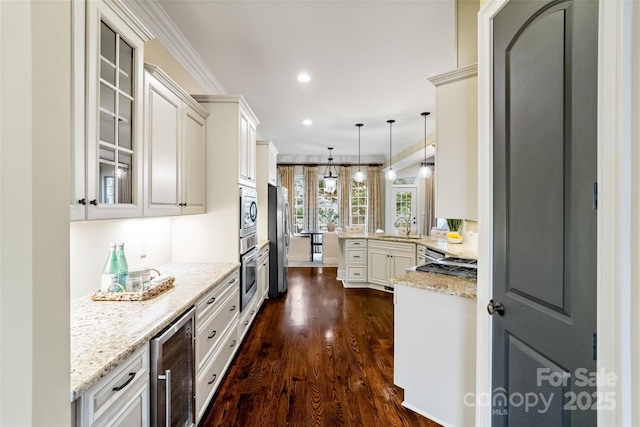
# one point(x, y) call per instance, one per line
point(433, 254)
point(248, 219)
point(278, 240)
point(173, 374)
point(248, 276)
point(459, 267)
point(248, 242)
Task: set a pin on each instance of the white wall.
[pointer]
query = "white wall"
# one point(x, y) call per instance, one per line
point(89, 241)
point(35, 109)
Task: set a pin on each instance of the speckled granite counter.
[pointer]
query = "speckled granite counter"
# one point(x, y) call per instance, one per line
point(105, 333)
point(465, 288)
point(453, 249)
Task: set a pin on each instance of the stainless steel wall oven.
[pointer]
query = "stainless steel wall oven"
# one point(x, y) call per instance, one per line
point(248, 243)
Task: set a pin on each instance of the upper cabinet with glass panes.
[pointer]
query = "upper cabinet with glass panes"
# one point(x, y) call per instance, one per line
point(114, 108)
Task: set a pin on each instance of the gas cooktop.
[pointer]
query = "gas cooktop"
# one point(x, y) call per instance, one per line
point(452, 266)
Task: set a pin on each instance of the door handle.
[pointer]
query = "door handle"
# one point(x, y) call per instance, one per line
point(167, 378)
point(495, 307)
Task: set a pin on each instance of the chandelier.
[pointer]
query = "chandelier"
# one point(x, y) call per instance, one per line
point(330, 174)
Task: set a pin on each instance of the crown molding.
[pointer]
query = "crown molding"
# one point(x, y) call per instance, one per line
point(467, 71)
point(164, 78)
point(225, 99)
point(154, 17)
point(130, 18)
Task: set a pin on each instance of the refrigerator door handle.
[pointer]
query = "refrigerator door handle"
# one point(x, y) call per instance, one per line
point(167, 378)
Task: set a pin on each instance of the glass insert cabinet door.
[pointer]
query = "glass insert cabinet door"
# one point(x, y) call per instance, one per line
point(115, 182)
point(114, 115)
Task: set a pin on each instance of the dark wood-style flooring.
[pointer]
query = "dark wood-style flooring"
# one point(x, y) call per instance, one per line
point(320, 356)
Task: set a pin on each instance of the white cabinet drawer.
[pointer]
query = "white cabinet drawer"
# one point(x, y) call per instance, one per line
point(356, 243)
point(355, 274)
point(356, 256)
point(209, 332)
point(212, 301)
point(421, 250)
point(115, 385)
point(420, 260)
point(210, 378)
point(248, 315)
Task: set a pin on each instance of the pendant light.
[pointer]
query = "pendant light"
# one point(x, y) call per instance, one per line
point(391, 175)
point(425, 170)
point(359, 176)
point(330, 176)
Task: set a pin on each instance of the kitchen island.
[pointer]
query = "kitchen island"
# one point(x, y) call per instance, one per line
point(435, 363)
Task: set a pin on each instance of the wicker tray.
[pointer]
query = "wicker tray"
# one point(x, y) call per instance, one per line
point(134, 296)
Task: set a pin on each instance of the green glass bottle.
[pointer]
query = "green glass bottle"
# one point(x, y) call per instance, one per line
point(123, 267)
point(110, 270)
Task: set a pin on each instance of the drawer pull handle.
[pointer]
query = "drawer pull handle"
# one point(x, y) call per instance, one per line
point(252, 312)
point(356, 256)
point(356, 274)
point(213, 334)
point(233, 308)
point(211, 301)
point(213, 378)
point(233, 344)
point(126, 383)
point(233, 281)
point(246, 323)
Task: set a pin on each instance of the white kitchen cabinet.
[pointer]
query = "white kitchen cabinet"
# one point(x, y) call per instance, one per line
point(108, 109)
point(266, 173)
point(174, 148)
point(263, 275)
point(120, 398)
point(217, 316)
point(387, 260)
point(247, 317)
point(456, 179)
point(435, 382)
point(233, 133)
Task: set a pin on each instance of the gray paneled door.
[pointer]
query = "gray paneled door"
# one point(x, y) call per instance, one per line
point(544, 259)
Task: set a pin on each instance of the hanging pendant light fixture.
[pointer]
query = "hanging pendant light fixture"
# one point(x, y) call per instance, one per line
point(391, 174)
point(330, 176)
point(425, 170)
point(359, 176)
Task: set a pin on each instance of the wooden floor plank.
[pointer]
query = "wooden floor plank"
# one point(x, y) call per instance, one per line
point(321, 355)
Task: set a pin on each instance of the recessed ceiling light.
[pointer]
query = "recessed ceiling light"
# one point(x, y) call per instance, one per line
point(304, 77)
point(307, 122)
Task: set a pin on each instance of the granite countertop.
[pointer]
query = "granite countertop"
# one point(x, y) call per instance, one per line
point(105, 333)
point(462, 250)
point(457, 286)
point(262, 244)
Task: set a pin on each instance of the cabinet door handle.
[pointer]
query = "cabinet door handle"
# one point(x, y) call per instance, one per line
point(233, 344)
point(126, 383)
point(94, 202)
point(213, 378)
point(82, 202)
point(213, 334)
point(233, 308)
point(211, 301)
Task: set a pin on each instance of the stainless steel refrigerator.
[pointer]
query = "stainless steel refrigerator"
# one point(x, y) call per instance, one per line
point(278, 240)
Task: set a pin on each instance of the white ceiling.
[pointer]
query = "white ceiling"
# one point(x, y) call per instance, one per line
point(368, 60)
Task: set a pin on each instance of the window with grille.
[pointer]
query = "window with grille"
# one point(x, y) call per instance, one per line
point(359, 203)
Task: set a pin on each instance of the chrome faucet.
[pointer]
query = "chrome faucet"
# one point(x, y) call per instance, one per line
point(406, 225)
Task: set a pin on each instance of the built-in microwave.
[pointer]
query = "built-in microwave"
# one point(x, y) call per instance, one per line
point(248, 219)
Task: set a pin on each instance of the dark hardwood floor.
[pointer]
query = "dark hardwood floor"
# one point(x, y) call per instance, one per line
point(320, 356)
